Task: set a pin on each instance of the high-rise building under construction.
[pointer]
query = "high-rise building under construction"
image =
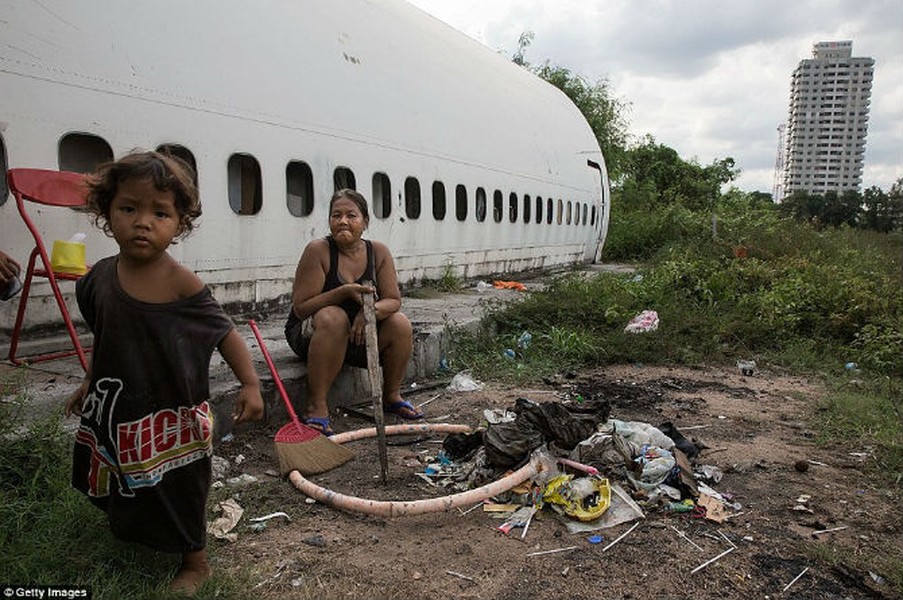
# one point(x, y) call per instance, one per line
point(826, 130)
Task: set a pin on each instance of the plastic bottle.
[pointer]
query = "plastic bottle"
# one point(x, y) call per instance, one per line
point(523, 342)
point(482, 286)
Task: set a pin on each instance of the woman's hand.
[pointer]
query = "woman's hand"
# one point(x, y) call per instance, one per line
point(354, 291)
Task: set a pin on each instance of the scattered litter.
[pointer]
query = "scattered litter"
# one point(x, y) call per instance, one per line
point(271, 516)
point(509, 285)
point(239, 459)
point(794, 580)
point(220, 467)
point(557, 550)
point(425, 402)
point(712, 560)
point(746, 367)
point(821, 531)
point(241, 480)
point(643, 322)
point(876, 578)
point(519, 518)
point(594, 539)
point(482, 286)
point(584, 497)
point(620, 537)
point(228, 437)
point(464, 382)
point(221, 527)
point(684, 536)
point(499, 415)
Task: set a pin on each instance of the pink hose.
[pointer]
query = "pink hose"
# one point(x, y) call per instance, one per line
point(383, 508)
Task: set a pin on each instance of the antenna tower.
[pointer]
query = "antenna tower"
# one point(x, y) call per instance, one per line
point(778, 190)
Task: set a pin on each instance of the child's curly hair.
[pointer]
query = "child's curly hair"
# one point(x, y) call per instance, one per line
point(167, 172)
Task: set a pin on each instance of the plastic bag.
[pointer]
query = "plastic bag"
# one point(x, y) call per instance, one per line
point(69, 257)
point(643, 322)
point(585, 498)
point(463, 382)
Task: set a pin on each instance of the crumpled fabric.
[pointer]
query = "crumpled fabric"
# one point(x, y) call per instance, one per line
point(509, 443)
point(645, 321)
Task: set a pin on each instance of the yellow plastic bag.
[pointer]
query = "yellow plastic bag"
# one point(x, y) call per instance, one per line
point(68, 257)
point(585, 498)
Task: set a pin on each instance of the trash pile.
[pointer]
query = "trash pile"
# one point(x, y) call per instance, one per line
point(598, 471)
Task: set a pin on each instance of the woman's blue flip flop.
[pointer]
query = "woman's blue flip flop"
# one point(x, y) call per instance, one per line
point(403, 409)
point(321, 424)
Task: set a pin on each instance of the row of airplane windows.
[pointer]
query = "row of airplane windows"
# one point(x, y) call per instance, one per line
point(82, 153)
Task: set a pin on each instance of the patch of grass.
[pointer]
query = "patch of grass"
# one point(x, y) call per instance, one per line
point(51, 534)
point(885, 564)
point(866, 413)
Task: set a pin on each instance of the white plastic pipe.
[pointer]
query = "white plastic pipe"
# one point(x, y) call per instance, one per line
point(383, 508)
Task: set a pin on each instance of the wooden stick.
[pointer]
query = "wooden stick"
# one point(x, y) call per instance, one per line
point(683, 535)
point(453, 574)
point(819, 532)
point(569, 548)
point(474, 507)
point(711, 560)
point(376, 384)
point(422, 404)
point(621, 537)
point(787, 587)
point(689, 427)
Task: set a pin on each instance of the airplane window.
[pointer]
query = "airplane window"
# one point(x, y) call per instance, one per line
point(512, 207)
point(299, 188)
point(568, 220)
point(497, 206)
point(83, 152)
point(550, 207)
point(343, 178)
point(438, 200)
point(560, 211)
point(4, 164)
point(182, 153)
point(382, 195)
point(412, 198)
point(527, 207)
point(584, 213)
point(245, 195)
point(539, 209)
point(480, 205)
point(593, 216)
point(461, 202)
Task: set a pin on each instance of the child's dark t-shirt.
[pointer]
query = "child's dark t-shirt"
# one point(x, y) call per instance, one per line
point(143, 446)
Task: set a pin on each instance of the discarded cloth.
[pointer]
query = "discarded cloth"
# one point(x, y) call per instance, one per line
point(509, 285)
point(645, 321)
point(508, 443)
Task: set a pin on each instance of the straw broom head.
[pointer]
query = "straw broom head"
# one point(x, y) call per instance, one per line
point(306, 450)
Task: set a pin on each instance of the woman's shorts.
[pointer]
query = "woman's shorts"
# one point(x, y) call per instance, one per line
point(298, 336)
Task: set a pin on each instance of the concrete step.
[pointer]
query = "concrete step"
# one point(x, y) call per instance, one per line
point(46, 385)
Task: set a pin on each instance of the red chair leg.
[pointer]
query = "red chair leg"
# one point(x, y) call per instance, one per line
point(64, 311)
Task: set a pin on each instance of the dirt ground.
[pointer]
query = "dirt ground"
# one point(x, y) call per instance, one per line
point(753, 428)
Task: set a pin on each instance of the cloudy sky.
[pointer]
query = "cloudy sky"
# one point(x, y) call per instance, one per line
point(709, 78)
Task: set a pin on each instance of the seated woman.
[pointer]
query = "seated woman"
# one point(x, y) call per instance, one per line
point(326, 324)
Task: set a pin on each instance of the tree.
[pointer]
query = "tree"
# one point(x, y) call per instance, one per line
point(605, 113)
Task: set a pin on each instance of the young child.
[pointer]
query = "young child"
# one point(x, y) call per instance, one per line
point(143, 447)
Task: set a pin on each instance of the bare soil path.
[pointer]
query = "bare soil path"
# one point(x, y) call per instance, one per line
point(755, 429)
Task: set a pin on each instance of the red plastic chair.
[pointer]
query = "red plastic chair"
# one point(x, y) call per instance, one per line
point(50, 188)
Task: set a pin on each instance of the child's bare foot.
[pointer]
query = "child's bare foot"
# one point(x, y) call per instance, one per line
point(194, 572)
